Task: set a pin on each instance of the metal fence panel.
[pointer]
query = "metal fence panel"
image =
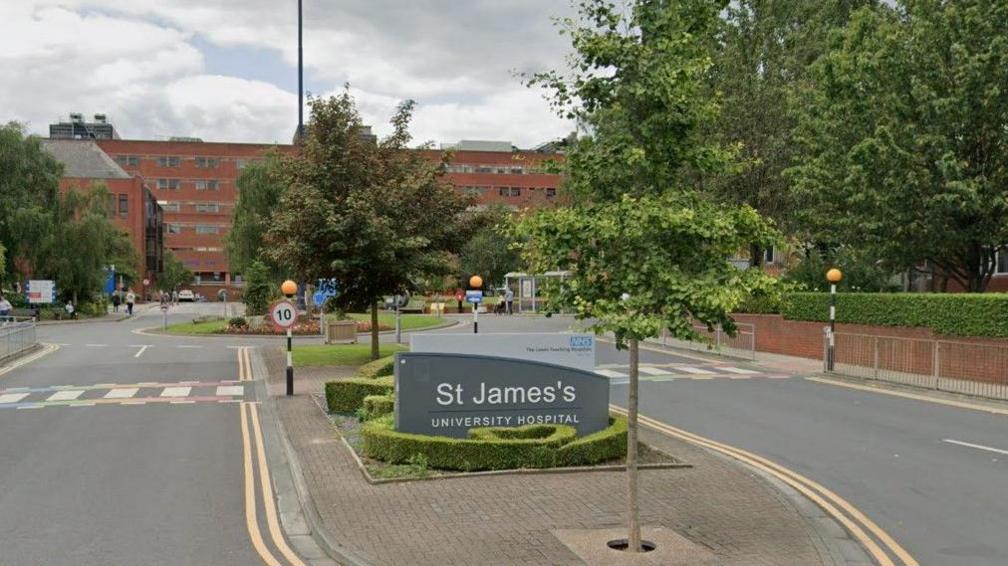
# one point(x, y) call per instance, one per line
point(16, 337)
point(717, 341)
point(959, 367)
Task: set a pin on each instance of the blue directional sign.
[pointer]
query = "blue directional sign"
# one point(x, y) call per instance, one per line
point(324, 289)
point(474, 297)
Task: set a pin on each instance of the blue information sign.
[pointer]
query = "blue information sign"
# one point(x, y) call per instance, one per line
point(474, 297)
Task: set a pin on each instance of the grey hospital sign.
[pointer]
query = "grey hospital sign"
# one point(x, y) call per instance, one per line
point(447, 394)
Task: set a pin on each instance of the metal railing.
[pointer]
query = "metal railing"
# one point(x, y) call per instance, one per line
point(968, 368)
point(742, 345)
point(16, 336)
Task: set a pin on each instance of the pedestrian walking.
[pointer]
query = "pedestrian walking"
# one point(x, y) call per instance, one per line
point(116, 301)
point(130, 299)
point(5, 309)
point(509, 299)
point(174, 297)
point(71, 312)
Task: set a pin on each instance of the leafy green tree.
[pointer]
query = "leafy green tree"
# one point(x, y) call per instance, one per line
point(903, 139)
point(259, 188)
point(80, 239)
point(759, 70)
point(375, 217)
point(489, 251)
point(260, 288)
point(645, 250)
point(29, 189)
point(174, 275)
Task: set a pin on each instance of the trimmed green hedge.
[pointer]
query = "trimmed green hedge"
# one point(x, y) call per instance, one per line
point(948, 314)
point(496, 448)
point(378, 368)
point(378, 405)
point(600, 446)
point(347, 395)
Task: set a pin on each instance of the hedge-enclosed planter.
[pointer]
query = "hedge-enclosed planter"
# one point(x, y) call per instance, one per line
point(347, 395)
point(496, 448)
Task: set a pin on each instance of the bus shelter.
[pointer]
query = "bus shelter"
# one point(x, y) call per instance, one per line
point(526, 287)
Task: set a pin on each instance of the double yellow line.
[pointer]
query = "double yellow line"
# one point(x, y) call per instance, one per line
point(250, 415)
point(846, 514)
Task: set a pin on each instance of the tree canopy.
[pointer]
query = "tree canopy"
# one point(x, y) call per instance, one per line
point(904, 138)
point(259, 188)
point(373, 216)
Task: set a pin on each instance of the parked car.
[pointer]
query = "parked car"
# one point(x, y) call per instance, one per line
point(186, 295)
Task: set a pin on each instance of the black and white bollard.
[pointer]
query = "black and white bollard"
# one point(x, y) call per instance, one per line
point(290, 366)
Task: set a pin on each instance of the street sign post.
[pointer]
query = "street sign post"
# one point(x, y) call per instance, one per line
point(284, 315)
point(475, 297)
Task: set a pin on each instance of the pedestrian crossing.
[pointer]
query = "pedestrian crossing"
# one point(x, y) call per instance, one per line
point(186, 392)
point(621, 374)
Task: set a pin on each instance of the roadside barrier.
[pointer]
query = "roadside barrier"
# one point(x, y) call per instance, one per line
point(742, 345)
point(968, 368)
point(16, 336)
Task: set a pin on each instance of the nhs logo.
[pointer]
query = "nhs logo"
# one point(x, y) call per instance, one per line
point(582, 342)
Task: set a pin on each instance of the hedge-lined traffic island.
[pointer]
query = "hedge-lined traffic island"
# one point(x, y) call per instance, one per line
point(362, 409)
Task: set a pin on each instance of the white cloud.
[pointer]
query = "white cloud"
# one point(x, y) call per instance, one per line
point(135, 61)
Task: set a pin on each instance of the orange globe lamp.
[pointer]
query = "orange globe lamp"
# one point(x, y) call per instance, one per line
point(834, 275)
point(476, 282)
point(288, 288)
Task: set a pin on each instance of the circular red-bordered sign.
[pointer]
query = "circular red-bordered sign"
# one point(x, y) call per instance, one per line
point(283, 314)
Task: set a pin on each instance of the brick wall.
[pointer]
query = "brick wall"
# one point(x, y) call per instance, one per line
point(898, 348)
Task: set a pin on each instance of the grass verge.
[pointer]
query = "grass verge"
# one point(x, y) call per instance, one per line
point(339, 354)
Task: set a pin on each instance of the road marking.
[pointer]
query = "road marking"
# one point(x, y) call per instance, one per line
point(251, 522)
point(267, 494)
point(738, 370)
point(36, 406)
point(121, 393)
point(12, 398)
point(142, 350)
point(654, 371)
point(176, 391)
point(96, 345)
point(192, 346)
point(230, 391)
point(693, 370)
point(46, 350)
point(65, 395)
point(133, 403)
point(914, 396)
point(977, 446)
point(826, 499)
point(610, 373)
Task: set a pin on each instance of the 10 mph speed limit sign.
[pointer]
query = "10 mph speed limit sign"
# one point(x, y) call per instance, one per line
point(284, 314)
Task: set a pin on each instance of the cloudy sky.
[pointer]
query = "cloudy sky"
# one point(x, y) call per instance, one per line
point(226, 70)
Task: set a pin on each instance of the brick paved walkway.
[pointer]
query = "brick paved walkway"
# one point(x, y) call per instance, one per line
point(510, 519)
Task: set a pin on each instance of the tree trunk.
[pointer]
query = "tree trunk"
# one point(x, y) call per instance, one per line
point(755, 255)
point(375, 352)
point(633, 507)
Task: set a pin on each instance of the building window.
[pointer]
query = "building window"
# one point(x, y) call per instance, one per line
point(516, 191)
point(483, 169)
point(516, 171)
point(128, 160)
point(769, 255)
point(502, 170)
point(550, 192)
point(169, 206)
point(207, 162)
point(174, 228)
point(207, 207)
point(1001, 266)
point(123, 204)
point(207, 229)
point(207, 185)
point(168, 161)
point(169, 184)
point(502, 191)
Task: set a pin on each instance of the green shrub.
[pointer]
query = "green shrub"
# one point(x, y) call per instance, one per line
point(375, 406)
point(949, 314)
point(347, 395)
point(496, 448)
point(238, 322)
point(378, 368)
point(607, 444)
